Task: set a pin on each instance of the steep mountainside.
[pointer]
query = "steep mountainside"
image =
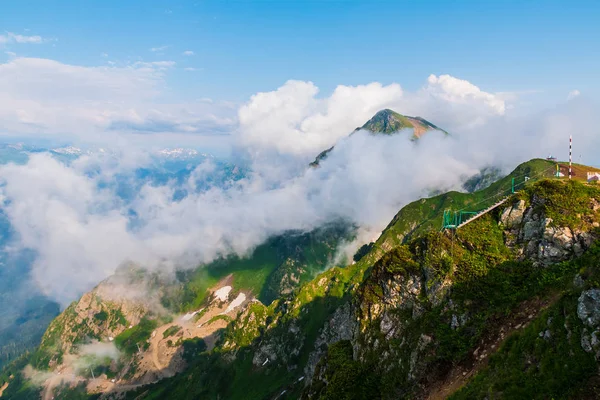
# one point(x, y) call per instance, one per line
point(388, 122)
point(424, 317)
point(128, 307)
point(507, 306)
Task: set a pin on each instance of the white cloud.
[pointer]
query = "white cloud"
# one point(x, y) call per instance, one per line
point(158, 64)
point(74, 210)
point(572, 94)
point(10, 37)
point(46, 97)
point(159, 48)
point(81, 232)
point(188, 53)
point(293, 120)
point(104, 55)
point(460, 91)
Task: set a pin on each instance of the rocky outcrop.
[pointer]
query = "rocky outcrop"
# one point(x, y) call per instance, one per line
point(341, 326)
point(588, 311)
point(393, 292)
point(513, 216)
point(588, 307)
point(535, 237)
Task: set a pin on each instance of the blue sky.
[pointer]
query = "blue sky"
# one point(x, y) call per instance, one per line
point(242, 47)
point(181, 72)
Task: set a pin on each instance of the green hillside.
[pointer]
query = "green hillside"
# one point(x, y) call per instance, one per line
point(506, 307)
point(426, 214)
point(488, 286)
point(266, 270)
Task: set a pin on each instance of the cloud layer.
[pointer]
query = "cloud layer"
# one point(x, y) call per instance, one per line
point(293, 120)
point(46, 98)
point(81, 229)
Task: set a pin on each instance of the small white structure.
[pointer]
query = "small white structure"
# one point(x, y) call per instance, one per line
point(593, 176)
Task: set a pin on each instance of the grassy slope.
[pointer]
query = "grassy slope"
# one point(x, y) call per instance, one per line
point(259, 273)
point(426, 214)
point(579, 171)
point(489, 283)
point(389, 122)
point(529, 366)
point(262, 271)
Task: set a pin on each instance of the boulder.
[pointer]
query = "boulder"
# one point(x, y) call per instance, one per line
point(513, 216)
point(588, 307)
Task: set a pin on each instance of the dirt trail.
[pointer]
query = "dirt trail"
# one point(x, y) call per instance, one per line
point(165, 358)
point(154, 351)
point(462, 373)
point(162, 355)
point(3, 388)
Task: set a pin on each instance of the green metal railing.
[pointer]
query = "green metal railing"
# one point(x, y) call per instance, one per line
point(452, 219)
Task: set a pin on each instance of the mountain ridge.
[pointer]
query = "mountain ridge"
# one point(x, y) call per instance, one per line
point(418, 307)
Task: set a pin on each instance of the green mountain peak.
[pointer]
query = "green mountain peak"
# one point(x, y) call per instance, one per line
point(389, 122)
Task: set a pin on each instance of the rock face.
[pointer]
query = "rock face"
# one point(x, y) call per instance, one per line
point(588, 307)
point(588, 311)
point(397, 292)
point(535, 237)
point(341, 326)
point(513, 216)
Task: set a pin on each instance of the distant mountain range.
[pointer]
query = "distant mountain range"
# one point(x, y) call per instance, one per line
point(170, 153)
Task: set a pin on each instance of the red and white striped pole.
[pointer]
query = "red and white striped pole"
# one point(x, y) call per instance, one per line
point(570, 154)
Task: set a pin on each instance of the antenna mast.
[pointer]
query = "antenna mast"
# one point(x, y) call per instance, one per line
point(570, 155)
